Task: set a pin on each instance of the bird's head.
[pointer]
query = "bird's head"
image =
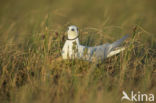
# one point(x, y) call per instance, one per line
point(72, 32)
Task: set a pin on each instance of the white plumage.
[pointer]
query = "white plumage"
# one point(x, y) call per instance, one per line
point(72, 49)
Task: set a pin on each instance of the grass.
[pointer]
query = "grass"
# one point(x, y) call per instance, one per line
point(32, 34)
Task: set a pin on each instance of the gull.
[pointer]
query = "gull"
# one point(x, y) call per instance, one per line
point(72, 48)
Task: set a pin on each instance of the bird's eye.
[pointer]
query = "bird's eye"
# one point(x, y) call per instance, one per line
point(72, 29)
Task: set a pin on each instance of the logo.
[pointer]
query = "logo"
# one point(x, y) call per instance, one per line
point(137, 97)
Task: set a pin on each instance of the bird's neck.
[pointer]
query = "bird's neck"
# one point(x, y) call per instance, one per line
point(74, 41)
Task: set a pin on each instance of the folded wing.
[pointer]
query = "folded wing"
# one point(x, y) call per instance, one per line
point(100, 52)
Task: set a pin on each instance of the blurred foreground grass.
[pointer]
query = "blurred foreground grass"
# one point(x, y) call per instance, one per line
point(31, 39)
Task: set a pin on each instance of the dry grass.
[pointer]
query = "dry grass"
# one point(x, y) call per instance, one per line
point(33, 33)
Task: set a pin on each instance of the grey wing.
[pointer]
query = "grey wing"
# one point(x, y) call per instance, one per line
point(90, 53)
point(101, 52)
point(118, 42)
